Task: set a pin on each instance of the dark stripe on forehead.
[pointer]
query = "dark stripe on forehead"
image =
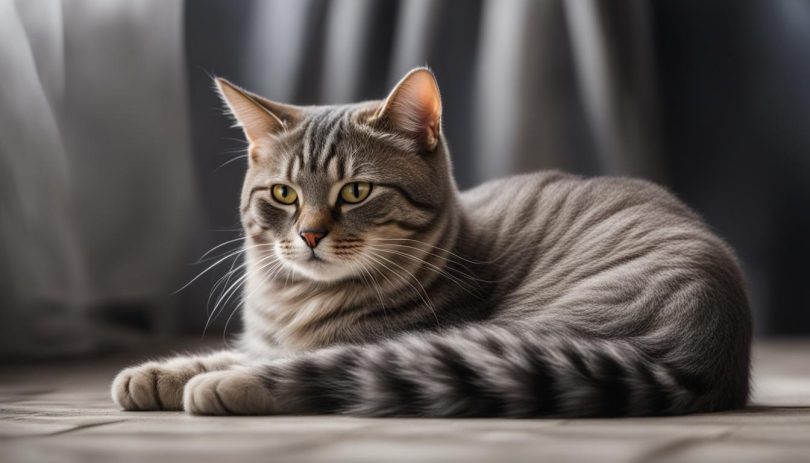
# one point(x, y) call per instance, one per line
point(330, 137)
point(294, 133)
point(291, 150)
point(302, 154)
point(341, 167)
point(311, 140)
point(290, 165)
point(315, 138)
point(331, 150)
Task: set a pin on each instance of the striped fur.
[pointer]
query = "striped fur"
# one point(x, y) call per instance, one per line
point(545, 294)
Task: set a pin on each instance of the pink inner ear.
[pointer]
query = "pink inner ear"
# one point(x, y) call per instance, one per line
point(256, 120)
point(415, 106)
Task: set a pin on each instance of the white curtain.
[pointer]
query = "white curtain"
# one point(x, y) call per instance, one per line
point(96, 176)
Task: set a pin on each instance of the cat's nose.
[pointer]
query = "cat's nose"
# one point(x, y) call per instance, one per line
point(312, 237)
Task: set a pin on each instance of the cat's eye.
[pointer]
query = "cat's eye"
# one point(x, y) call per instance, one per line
point(355, 192)
point(284, 194)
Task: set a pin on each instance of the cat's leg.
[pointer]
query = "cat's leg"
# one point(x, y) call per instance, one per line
point(158, 385)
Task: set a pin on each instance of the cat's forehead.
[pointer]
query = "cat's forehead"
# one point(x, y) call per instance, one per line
point(326, 143)
point(316, 147)
point(329, 145)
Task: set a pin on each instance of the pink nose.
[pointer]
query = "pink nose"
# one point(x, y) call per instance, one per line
point(312, 237)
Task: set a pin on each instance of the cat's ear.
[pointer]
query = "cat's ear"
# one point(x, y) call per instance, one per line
point(414, 107)
point(258, 117)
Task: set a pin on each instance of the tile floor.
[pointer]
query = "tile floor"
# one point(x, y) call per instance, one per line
point(62, 413)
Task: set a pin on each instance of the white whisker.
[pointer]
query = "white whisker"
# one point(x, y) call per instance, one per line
point(441, 249)
point(230, 161)
point(423, 294)
point(217, 247)
point(207, 269)
point(450, 260)
point(276, 266)
point(374, 285)
point(439, 271)
point(226, 296)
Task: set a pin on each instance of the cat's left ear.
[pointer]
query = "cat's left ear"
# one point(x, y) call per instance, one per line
point(414, 108)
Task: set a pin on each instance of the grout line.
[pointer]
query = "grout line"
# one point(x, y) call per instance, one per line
point(82, 427)
point(677, 445)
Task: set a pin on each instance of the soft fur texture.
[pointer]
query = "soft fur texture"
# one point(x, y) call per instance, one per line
point(545, 294)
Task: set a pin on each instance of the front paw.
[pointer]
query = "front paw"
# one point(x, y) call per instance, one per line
point(230, 392)
point(150, 387)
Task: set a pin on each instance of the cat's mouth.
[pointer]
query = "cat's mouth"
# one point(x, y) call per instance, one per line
point(318, 267)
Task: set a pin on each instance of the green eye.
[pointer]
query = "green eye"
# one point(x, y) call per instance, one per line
point(284, 194)
point(355, 192)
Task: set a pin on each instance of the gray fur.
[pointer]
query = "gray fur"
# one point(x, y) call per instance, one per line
point(544, 294)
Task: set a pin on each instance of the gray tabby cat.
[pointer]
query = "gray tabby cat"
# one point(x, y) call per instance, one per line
point(373, 287)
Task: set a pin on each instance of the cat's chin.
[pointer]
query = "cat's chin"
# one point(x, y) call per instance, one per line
point(322, 271)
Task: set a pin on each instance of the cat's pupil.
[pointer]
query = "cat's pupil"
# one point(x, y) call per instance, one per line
point(356, 189)
point(284, 191)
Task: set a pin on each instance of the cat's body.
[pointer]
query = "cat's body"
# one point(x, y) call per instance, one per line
point(538, 295)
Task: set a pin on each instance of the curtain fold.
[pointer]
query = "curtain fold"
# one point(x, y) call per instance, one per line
point(96, 181)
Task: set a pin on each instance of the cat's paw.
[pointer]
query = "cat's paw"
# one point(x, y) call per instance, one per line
point(230, 392)
point(150, 386)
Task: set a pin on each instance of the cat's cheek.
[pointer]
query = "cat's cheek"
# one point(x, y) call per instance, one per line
point(254, 229)
point(230, 392)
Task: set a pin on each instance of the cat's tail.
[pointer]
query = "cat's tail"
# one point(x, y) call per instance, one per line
point(493, 371)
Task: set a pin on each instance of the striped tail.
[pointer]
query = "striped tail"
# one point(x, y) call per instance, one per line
point(488, 371)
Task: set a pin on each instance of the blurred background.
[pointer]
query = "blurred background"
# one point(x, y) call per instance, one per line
point(118, 170)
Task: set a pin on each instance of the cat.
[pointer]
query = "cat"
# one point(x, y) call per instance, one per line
point(374, 287)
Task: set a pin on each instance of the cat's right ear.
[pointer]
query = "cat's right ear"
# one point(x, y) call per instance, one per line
point(258, 117)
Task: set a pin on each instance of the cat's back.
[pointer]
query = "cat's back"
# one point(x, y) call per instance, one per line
point(543, 201)
point(557, 228)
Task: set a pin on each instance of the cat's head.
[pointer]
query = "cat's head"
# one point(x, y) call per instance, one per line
point(332, 191)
